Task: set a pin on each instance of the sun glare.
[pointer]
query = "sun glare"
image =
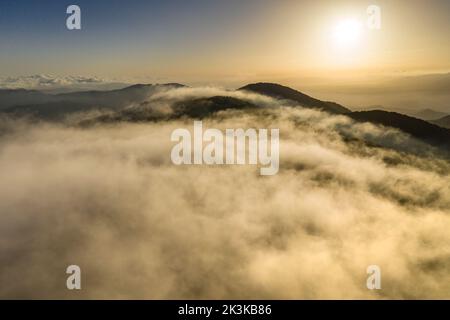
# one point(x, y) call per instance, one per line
point(347, 33)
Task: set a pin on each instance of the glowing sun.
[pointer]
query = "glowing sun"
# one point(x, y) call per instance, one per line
point(347, 33)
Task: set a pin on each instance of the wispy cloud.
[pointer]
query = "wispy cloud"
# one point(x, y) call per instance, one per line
point(50, 82)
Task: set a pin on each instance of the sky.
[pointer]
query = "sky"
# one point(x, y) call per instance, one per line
point(213, 41)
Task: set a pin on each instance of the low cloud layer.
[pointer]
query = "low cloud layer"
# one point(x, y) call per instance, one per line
point(58, 83)
point(108, 199)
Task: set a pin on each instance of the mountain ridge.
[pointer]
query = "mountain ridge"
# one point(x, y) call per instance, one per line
point(55, 106)
point(282, 92)
point(417, 128)
point(442, 122)
point(131, 104)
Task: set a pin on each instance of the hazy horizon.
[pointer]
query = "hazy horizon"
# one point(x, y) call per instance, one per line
point(406, 94)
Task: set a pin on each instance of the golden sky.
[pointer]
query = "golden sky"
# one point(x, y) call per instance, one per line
point(220, 41)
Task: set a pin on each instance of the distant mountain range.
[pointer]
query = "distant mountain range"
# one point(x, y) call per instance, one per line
point(60, 84)
point(55, 106)
point(424, 114)
point(443, 122)
point(429, 114)
point(132, 104)
point(420, 129)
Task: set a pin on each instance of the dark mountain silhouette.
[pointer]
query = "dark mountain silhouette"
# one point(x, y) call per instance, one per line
point(281, 92)
point(48, 106)
point(110, 99)
point(14, 97)
point(131, 104)
point(420, 129)
point(116, 98)
point(200, 108)
point(51, 111)
point(443, 122)
point(194, 108)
